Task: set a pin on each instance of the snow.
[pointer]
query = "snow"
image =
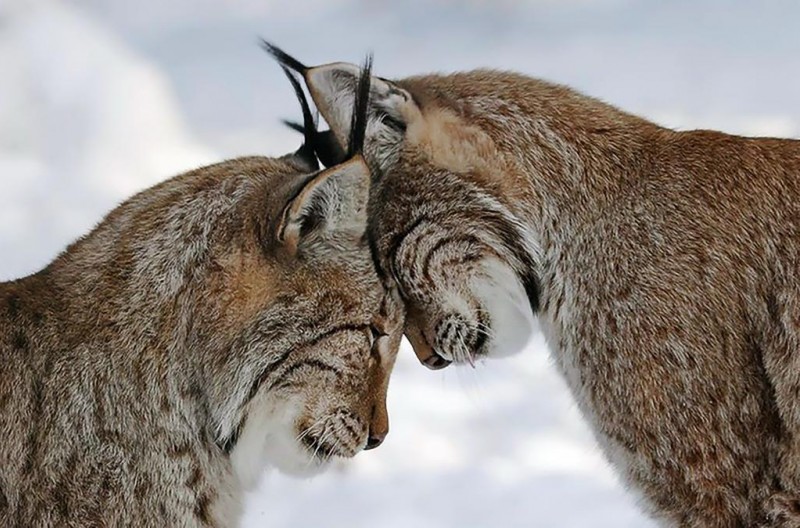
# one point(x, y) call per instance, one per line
point(84, 122)
point(100, 98)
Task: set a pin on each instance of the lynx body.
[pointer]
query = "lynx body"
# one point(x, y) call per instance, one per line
point(663, 266)
point(226, 320)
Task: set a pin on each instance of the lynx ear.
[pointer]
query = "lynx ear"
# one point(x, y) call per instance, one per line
point(331, 87)
point(332, 203)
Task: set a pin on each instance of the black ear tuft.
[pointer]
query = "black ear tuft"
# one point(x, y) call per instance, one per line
point(326, 147)
point(297, 127)
point(284, 58)
point(360, 118)
point(328, 150)
point(309, 128)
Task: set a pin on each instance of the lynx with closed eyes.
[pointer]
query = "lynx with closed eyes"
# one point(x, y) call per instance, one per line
point(663, 268)
point(225, 320)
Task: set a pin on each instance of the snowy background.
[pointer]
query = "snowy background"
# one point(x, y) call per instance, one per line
point(101, 98)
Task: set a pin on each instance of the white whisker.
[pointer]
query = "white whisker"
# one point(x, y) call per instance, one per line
point(465, 351)
point(484, 329)
point(320, 442)
point(309, 429)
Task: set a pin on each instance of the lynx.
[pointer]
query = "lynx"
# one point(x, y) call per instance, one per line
point(225, 320)
point(663, 268)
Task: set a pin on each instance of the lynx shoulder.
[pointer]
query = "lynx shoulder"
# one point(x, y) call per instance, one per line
point(663, 267)
point(225, 320)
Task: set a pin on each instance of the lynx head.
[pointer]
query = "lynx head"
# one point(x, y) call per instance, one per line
point(256, 277)
point(438, 224)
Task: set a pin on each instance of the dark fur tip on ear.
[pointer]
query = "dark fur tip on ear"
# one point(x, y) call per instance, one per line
point(325, 146)
point(297, 127)
point(309, 121)
point(360, 118)
point(307, 155)
point(328, 150)
point(284, 58)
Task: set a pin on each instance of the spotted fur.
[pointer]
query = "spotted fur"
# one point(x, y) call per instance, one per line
point(225, 320)
point(663, 266)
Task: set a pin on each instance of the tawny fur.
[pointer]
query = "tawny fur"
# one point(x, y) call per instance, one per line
point(132, 364)
point(663, 267)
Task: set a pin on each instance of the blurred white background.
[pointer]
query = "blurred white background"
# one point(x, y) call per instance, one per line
point(101, 98)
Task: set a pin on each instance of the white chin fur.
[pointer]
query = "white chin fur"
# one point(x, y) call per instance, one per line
point(512, 321)
point(268, 440)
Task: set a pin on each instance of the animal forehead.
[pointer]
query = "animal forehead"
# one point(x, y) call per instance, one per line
point(353, 287)
point(310, 300)
point(344, 342)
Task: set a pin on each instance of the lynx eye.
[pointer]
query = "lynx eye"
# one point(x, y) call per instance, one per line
point(374, 335)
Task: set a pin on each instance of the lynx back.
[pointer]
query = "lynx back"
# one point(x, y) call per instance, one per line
point(664, 268)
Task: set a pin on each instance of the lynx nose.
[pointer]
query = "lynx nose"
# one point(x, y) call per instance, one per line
point(425, 353)
point(374, 440)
